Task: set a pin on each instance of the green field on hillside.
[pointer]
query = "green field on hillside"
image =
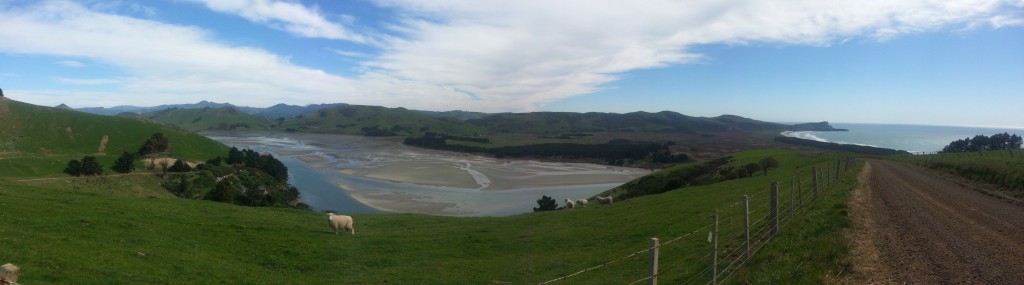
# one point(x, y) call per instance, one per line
point(39, 141)
point(116, 230)
point(224, 118)
point(1003, 168)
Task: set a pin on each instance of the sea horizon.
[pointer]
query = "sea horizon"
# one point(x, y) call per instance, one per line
point(914, 138)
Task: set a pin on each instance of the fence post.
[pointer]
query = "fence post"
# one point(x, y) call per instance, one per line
point(714, 252)
point(653, 267)
point(814, 183)
point(774, 214)
point(746, 226)
point(838, 165)
point(799, 190)
point(791, 205)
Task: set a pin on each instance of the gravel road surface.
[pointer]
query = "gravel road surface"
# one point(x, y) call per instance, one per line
point(934, 229)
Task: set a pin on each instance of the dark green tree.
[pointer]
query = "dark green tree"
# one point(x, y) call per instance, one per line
point(179, 166)
point(546, 203)
point(155, 144)
point(74, 168)
point(90, 166)
point(768, 163)
point(125, 163)
point(223, 191)
point(235, 156)
point(752, 168)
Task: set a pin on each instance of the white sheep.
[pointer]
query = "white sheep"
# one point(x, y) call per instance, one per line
point(569, 204)
point(582, 202)
point(604, 200)
point(340, 221)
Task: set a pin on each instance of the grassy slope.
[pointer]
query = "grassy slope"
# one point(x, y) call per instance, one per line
point(92, 231)
point(37, 142)
point(998, 167)
point(209, 119)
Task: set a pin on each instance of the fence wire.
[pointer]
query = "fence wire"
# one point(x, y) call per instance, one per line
point(760, 202)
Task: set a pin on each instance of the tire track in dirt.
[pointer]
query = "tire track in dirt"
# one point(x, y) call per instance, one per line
point(932, 230)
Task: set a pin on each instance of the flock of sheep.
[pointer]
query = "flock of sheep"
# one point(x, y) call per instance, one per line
point(343, 222)
point(569, 203)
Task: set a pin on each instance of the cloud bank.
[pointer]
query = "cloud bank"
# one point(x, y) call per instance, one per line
point(489, 56)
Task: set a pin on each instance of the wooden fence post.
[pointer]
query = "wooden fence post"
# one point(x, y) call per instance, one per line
point(653, 267)
point(773, 220)
point(714, 252)
point(799, 190)
point(814, 183)
point(9, 274)
point(746, 226)
point(791, 205)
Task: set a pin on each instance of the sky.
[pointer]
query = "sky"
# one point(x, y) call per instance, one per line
point(935, 62)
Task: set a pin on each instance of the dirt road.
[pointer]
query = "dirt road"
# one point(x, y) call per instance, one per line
point(931, 229)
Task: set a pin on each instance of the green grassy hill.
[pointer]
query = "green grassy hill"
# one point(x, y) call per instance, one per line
point(110, 230)
point(202, 119)
point(38, 141)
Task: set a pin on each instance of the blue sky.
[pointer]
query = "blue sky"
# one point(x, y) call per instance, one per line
point(952, 62)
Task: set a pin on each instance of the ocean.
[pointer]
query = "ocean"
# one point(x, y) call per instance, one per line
point(912, 138)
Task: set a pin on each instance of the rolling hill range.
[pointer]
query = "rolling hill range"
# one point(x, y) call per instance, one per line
point(202, 119)
point(39, 140)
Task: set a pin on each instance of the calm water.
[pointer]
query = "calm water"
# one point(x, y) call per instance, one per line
point(912, 138)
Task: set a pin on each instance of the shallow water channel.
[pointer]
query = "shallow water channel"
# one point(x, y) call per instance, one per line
point(354, 174)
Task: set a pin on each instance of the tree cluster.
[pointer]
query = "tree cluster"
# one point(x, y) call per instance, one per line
point(125, 163)
point(250, 158)
point(546, 203)
point(692, 175)
point(1001, 141)
point(155, 144)
point(88, 166)
point(245, 177)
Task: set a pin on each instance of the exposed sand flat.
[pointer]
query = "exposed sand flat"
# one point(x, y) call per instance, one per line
point(496, 175)
point(389, 176)
point(433, 173)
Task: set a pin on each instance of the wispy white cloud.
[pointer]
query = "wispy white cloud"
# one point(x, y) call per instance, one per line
point(87, 81)
point(291, 17)
point(70, 63)
point(518, 55)
point(163, 62)
point(349, 53)
point(456, 54)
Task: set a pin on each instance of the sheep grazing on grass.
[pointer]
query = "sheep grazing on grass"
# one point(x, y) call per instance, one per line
point(340, 221)
point(569, 204)
point(582, 202)
point(604, 200)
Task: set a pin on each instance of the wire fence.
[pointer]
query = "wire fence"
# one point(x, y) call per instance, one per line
point(739, 231)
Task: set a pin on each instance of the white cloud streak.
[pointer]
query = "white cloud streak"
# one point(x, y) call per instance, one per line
point(518, 55)
point(165, 63)
point(70, 63)
point(291, 17)
point(490, 56)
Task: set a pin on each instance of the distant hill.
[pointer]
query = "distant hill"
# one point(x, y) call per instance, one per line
point(375, 121)
point(382, 121)
point(222, 118)
point(288, 111)
point(661, 122)
point(457, 114)
point(136, 109)
point(272, 112)
point(33, 130)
